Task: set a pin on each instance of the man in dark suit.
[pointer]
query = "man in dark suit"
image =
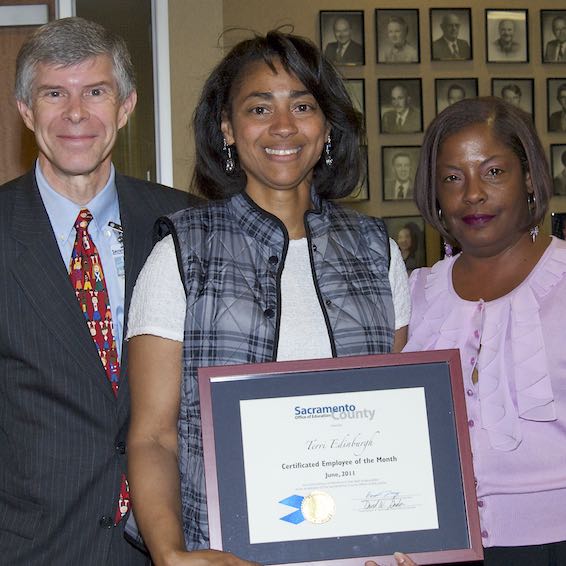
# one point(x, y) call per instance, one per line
point(63, 422)
point(449, 46)
point(344, 51)
point(557, 120)
point(555, 50)
point(402, 118)
point(400, 185)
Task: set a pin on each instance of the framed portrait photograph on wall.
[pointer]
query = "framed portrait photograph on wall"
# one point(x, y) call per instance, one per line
point(558, 223)
point(400, 106)
point(342, 37)
point(553, 36)
point(397, 36)
point(361, 192)
point(449, 91)
point(357, 90)
point(409, 233)
point(398, 167)
point(556, 104)
point(518, 92)
point(451, 34)
point(558, 168)
point(506, 36)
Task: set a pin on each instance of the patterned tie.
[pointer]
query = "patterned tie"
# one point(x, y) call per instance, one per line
point(87, 278)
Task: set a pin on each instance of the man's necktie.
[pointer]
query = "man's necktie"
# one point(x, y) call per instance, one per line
point(88, 281)
point(454, 47)
point(561, 56)
point(401, 191)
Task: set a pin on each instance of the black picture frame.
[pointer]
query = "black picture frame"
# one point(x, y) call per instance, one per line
point(507, 36)
point(517, 91)
point(410, 234)
point(451, 25)
point(397, 39)
point(552, 35)
point(449, 91)
point(397, 96)
point(556, 104)
point(226, 391)
point(398, 166)
point(558, 224)
point(357, 90)
point(558, 168)
point(361, 191)
point(336, 26)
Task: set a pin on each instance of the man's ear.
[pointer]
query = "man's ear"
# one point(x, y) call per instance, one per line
point(227, 131)
point(126, 108)
point(27, 114)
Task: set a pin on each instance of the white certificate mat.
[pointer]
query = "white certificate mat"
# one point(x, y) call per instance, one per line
point(351, 455)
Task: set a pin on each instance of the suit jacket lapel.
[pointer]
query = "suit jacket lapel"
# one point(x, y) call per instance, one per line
point(44, 279)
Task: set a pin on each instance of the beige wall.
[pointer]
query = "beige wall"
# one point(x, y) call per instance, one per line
point(195, 27)
point(207, 18)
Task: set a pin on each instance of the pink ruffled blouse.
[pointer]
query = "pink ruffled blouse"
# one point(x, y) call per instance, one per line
point(517, 409)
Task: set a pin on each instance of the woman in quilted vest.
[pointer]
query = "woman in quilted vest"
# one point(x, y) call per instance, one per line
point(270, 269)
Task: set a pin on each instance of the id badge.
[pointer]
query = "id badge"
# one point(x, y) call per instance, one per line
point(118, 255)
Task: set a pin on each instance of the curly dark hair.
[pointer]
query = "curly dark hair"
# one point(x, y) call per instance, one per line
point(510, 125)
point(301, 58)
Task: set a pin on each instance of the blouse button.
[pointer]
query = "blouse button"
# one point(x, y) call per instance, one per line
point(480, 503)
point(469, 392)
point(328, 303)
point(472, 361)
point(314, 248)
point(273, 260)
point(471, 423)
point(269, 313)
point(484, 534)
point(476, 333)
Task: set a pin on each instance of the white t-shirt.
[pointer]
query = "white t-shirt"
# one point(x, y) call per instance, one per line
point(159, 303)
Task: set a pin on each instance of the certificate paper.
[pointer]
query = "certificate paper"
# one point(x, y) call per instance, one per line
point(351, 455)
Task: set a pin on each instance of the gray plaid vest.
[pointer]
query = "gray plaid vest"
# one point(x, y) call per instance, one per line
point(231, 254)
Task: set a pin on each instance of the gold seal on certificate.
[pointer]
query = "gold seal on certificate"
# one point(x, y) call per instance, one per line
point(318, 507)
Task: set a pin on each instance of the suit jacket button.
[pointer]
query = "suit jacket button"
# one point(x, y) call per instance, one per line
point(106, 522)
point(120, 447)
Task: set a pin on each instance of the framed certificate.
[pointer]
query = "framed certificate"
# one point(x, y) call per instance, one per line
point(340, 460)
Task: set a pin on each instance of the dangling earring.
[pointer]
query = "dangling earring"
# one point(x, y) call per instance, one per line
point(230, 163)
point(327, 147)
point(532, 202)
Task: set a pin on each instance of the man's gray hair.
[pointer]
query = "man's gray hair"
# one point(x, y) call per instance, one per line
point(68, 42)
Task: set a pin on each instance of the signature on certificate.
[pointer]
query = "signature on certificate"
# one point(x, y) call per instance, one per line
point(382, 500)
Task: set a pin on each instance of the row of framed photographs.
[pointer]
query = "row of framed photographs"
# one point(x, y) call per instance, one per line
point(400, 100)
point(399, 165)
point(342, 36)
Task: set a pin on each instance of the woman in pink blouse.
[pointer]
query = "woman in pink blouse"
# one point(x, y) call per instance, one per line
point(483, 182)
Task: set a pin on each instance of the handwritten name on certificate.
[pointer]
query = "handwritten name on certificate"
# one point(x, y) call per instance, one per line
point(337, 465)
